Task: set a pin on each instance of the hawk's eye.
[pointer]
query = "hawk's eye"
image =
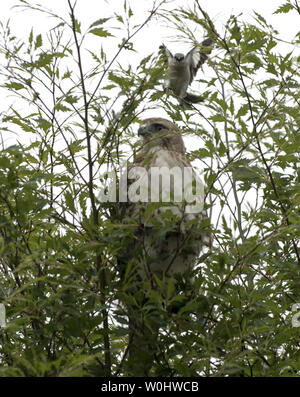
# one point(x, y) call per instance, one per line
point(158, 127)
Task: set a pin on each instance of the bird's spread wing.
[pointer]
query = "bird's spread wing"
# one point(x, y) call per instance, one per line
point(197, 56)
point(166, 54)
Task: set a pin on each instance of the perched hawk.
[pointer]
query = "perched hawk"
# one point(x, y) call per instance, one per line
point(181, 70)
point(164, 208)
point(165, 197)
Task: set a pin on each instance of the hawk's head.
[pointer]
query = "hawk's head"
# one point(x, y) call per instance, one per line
point(161, 133)
point(179, 57)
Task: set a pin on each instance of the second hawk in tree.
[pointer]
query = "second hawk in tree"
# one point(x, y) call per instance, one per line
point(181, 70)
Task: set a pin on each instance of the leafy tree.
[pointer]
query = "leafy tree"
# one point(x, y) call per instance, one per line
point(59, 279)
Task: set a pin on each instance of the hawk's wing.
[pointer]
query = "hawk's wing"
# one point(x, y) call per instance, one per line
point(166, 54)
point(197, 56)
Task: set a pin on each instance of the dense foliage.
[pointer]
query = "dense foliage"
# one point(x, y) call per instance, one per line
point(59, 279)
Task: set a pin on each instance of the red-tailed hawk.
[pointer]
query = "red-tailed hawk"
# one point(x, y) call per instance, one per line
point(183, 68)
point(163, 204)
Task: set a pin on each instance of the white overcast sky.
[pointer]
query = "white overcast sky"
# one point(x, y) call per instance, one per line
point(149, 39)
point(90, 10)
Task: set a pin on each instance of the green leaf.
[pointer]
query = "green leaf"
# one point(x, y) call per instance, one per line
point(231, 107)
point(252, 58)
point(218, 118)
point(222, 103)
point(236, 33)
point(284, 9)
point(62, 108)
point(14, 86)
point(270, 83)
point(100, 32)
point(44, 156)
point(44, 124)
point(243, 110)
point(201, 153)
point(4, 162)
point(70, 201)
point(66, 75)
point(47, 58)
point(31, 36)
point(19, 122)
point(109, 87)
point(77, 26)
point(99, 22)
point(32, 159)
point(38, 41)
point(71, 99)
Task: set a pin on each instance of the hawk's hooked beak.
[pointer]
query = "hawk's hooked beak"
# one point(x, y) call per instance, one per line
point(179, 57)
point(143, 131)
